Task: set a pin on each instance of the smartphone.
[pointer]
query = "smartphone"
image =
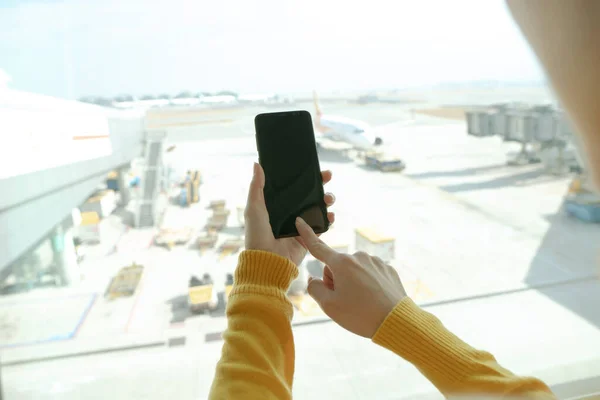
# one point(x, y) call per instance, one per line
point(287, 152)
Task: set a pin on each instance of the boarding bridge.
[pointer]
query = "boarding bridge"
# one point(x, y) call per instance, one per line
point(54, 154)
point(544, 134)
point(147, 213)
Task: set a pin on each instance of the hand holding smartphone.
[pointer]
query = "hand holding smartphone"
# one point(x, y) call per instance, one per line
point(293, 185)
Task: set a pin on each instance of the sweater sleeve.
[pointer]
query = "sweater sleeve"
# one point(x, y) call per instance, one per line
point(257, 360)
point(453, 366)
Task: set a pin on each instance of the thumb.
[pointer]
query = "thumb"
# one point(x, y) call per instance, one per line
point(255, 215)
point(318, 291)
point(256, 194)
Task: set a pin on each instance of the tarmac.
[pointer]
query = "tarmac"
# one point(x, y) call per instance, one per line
point(484, 246)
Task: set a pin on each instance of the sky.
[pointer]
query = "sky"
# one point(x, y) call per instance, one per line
point(75, 48)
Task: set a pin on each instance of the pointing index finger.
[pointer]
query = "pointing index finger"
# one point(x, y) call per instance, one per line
point(314, 245)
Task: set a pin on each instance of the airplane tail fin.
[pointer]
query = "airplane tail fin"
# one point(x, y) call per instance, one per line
point(318, 112)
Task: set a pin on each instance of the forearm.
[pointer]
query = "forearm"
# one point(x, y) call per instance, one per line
point(453, 366)
point(257, 360)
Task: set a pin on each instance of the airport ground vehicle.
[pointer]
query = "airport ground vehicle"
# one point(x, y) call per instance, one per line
point(88, 231)
point(125, 282)
point(383, 162)
point(103, 203)
point(202, 295)
point(173, 237)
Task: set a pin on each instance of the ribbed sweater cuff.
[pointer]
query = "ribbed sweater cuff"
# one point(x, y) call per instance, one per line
point(264, 269)
point(420, 338)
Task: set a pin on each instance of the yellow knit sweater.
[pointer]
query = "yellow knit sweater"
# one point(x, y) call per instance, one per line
point(257, 361)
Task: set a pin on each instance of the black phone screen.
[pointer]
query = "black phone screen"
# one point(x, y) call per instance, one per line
point(294, 187)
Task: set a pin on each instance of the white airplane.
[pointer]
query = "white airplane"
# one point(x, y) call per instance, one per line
point(257, 98)
point(358, 134)
point(265, 99)
point(155, 103)
point(185, 101)
point(141, 104)
point(220, 99)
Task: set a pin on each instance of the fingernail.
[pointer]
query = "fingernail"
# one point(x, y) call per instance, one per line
point(254, 169)
point(300, 221)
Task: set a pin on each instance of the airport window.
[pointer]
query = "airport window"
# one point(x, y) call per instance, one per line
point(123, 208)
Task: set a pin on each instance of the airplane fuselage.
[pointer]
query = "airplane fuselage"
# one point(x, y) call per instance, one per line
point(356, 133)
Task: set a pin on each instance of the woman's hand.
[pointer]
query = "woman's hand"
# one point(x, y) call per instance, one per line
point(259, 235)
point(357, 291)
